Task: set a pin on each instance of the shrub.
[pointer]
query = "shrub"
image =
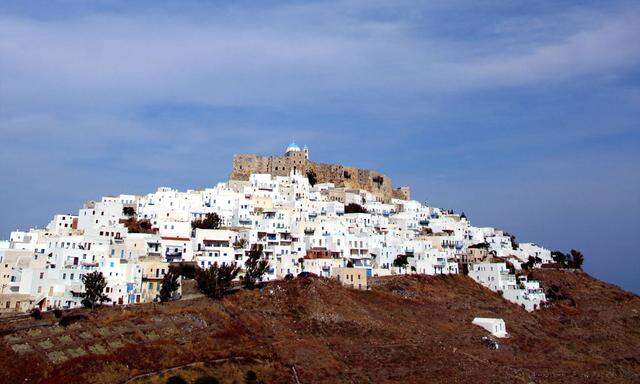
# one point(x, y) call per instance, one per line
point(401, 261)
point(70, 319)
point(36, 313)
point(255, 267)
point(128, 211)
point(206, 380)
point(354, 208)
point(94, 285)
point(250, 377)
point(510, 267)
point(57, 313)
point(138, 226)
point(553, 293)
point(176, 380)
point(210, 221)
point(216, 280)
point(313, 178)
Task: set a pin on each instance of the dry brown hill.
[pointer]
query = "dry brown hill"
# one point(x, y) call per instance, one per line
point(412, 329)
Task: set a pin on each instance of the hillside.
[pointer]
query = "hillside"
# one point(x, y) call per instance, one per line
point(406, 329)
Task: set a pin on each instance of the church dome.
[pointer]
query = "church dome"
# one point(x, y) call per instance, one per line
point(293, 147)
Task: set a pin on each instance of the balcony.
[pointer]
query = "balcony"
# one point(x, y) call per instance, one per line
point(89, 263)
point(173, 256)
point(151, 277)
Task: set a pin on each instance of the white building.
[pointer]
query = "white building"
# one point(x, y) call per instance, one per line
point(520, 290)
point(496, 327)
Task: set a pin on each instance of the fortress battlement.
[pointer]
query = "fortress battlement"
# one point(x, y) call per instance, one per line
point(297, 160)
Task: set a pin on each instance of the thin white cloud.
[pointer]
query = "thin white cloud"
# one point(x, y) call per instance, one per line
point(112, 61)
point(610, 47)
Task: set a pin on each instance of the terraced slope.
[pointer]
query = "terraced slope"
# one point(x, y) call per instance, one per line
point(406, 329)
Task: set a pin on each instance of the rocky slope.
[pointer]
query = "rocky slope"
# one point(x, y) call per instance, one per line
point(409, 329)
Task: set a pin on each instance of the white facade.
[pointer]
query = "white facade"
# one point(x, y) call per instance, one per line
point(496, 327)
point(520, 290)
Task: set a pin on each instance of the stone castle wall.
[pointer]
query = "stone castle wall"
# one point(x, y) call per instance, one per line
point(342, 176)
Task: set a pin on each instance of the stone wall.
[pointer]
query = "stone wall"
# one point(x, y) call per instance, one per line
point(342, 176)
point(402, 193)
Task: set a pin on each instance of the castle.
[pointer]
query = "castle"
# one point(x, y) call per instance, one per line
point(297, 160)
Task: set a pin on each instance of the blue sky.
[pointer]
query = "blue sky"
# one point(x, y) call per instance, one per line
point(524, 115)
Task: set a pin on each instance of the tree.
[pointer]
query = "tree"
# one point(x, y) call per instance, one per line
point(559, 257)
point(94, 285)
point(169, 286)
point(255, 267)
point(577, 259)
point(210, 221)
point(240, 243)
point(128, 211)
point(185, 270)
point(531, 262)
point(301, 262)
point(401, 261)
point(216, 280)
point(354, 208)
point(514, 241)
point(313, 178)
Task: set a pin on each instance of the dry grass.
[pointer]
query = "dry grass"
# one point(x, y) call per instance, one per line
point(406, 329)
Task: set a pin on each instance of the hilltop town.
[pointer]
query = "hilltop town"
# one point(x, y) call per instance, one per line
point(306, 218)
point(357, 283)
